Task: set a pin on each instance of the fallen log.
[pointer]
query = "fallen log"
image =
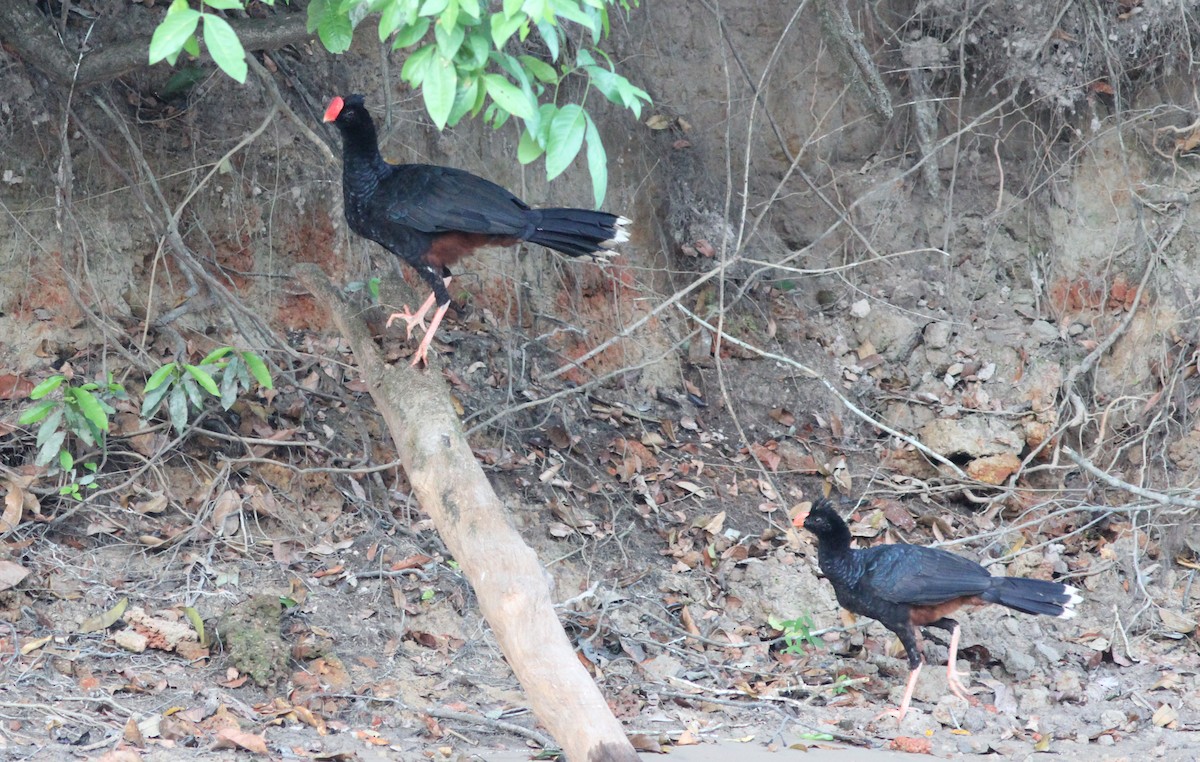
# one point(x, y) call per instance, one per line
point(512, 586)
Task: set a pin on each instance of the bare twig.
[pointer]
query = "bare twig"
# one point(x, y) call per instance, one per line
point(487, 722)
point(841, 397)
point(1112, 481)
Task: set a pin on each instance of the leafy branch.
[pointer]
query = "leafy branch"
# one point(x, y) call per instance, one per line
point(461, 64)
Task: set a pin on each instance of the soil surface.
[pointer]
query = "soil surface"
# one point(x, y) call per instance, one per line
point(1004, 363)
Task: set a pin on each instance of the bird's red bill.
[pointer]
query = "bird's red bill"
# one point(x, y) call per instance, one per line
point(335, 108)
point(798, 519)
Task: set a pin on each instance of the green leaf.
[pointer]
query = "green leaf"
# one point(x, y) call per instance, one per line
point(441, 81)
point(193, 391)
point(411, 34)
point(474, 55)
point(550, 35)
point(570, 11)
point(225, 5)
point(50, 449)
point(416, 66)
point(229, 383)
point(204, 378)
point(47, 386)
point(470, 7)
point(91, 409)
point(566, 138)
point(37, 412)
point(177, 407)
point(508, 96)
point(536, 9)
point(597, 159)
point(511, 7)
point(192, 46)
point(503, 27)
point(154, 399)
point(433, 7)
point(390, 19)
point(215, 355)
point(78, 424)
point(49, 426)
point(193, 616)
point(317, 10)
point(449, 38)
point(464, 100)
point(159, 376)
point(65, 460)
point(336, 32)
point(543, 71)
point(259, 368)
point(448, 19)
point(177, 26)
point(225, 47)
point(528, 149)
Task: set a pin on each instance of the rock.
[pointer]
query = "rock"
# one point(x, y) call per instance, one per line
point(663, 667)
point(993, 469)
point(1052, 655)
point(1032, 700)
point(1069, 686)
point(131, 640)
point(893, 333)
point(972, 435)
point(1018, 663)
point(1043, 332)
point(1112, 718)
point(937, 335)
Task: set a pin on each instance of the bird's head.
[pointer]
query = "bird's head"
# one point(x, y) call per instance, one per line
point(822, 519)
point(349, 110)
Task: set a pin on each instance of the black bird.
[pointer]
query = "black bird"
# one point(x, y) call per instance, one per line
point(905, 587)
point(430, 216)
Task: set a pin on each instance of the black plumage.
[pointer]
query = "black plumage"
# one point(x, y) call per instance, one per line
point(431, 216)
point(905, 587)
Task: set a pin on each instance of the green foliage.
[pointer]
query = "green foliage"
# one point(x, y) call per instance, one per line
point(69, 416)
point(177, 33)
point(223, 374)
point(80, 411)
point(796, 633)
point(461, 63)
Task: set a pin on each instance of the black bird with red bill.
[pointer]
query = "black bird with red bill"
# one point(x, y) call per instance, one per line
point(431, 217)
point(906, 587)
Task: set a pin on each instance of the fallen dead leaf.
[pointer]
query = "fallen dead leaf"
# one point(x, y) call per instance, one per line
point(14, 387)
point(646, 743)
point(14, 506)
point(232, 738)
point(11, 574)
point(105, 620)
point(1166, 716)
point(911, 745)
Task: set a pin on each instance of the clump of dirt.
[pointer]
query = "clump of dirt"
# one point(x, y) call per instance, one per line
point(250, 637)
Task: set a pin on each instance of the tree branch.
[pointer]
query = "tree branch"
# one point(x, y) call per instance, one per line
point(512, 586)
point(24, 29)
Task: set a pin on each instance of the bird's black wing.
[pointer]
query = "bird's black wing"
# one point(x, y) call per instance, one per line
point(916, 575)
point(435, 199)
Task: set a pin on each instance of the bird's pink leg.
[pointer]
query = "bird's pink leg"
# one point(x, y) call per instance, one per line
point(419, 356)
point(952, 674)
point(413, 319)
point(908, 692)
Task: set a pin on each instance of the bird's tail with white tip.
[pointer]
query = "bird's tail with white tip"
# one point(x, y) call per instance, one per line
point(579, 232)
point(1034, 596)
